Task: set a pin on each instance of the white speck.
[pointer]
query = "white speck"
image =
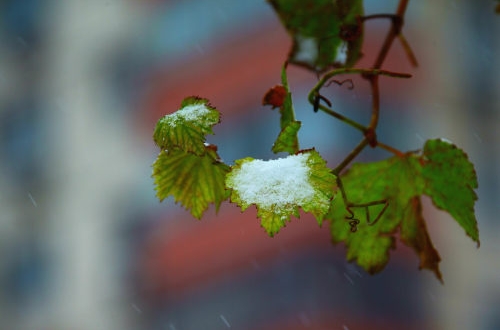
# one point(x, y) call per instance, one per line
point(419, 137)
point(279, 182)
point(171, 326)
point(137, 309)
point(445, 140)
point(478, 138)
point(348, 278)
point(345, 327)
point(225, 321)
point(351, 269)
point(307, 49)
point(32, 200)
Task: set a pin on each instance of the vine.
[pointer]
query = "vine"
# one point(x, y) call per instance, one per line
point(380, 201)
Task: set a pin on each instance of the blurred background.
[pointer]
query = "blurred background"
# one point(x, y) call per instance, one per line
point(84, 243)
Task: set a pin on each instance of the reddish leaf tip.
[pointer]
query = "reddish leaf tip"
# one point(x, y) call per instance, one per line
point(275, 97)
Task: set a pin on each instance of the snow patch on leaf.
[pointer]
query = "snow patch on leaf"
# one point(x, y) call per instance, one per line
point(191, 113)
point(341, 57)
point(446, 141)
point(307, 49)
point(280, 182)
point(187, 127)
point(279, 187)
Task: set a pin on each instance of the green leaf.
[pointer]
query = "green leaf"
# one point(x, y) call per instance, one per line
point(450, 182)
point(325, 33)
point(280, 96)
point(194, 180)
point(279, 187)
point(442, 172)
point(393, 180)
point(287, 140)
point(187, 127)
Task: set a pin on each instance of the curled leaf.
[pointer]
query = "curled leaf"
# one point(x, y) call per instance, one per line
point(275, 97)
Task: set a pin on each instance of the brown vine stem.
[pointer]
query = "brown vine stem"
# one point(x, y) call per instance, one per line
point(366, 72)
point(409, 52)
point(314, 93)
point(372, 76)
point(351, 156)
point(393, 33)
point(370, 137)
point(342, 118)
point(395, 151)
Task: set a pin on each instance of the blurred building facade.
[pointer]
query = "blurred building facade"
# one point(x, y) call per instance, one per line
point(84, 243)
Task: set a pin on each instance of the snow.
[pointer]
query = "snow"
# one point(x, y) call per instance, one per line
point(225, 321)
point(192, 113)
point(307, 49)
point(341, 57)
point(277, 182)
point(32, 200)
point(445, 141)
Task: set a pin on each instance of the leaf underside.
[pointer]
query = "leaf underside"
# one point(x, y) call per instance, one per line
point(325, 33)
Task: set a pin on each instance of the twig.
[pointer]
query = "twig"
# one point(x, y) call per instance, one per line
point(351, 156)
point(390, 149)
point(409, 52)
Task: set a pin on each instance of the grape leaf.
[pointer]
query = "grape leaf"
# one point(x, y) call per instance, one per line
point(279, 187)
point(442, 171)
point(287, 140)
point(280, 96)
point(450, 182)
point(414, 234)
point(325, 33)
point(194, 180)
point(187, 127)
point(394, 180)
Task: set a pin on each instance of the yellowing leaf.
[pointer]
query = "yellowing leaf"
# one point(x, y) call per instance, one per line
point(287, 139)
point(195, 181)
point(187, 127)
point(279, 187)
point(325, 33)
